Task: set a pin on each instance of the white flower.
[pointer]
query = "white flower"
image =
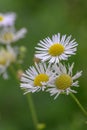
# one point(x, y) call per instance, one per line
point(4, 63)
point(7, 19)
point(56, 49)
point(3, 72)
point(9, 35)
point(64, 80)
point(3, 57)
point(11, 54)
point(37, 78)
point(7, 56)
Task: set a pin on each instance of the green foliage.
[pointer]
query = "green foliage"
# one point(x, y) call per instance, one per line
point(42, 19)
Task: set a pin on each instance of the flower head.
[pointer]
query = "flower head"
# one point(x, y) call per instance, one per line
point(7, 56)
point(64, 80)
point(7, 19)
point(37, 77)
point(4, 63)
point(11, 54)
point(56, 49)
point(9, 35)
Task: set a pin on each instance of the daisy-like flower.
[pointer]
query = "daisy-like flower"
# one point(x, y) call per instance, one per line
point(7, 19)
point(64, 81)
point(37, 78)
point(11, 54)
point(7, 56)
point(4, 63)
point(56, 49)
point(9, 35)
point(3, 57)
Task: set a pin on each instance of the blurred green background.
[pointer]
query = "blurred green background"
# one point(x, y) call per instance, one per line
point(44, 18)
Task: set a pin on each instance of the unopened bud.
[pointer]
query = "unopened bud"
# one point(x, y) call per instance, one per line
point(19, 73)
point(41, 126)
point(23, 49)
point(36, 60)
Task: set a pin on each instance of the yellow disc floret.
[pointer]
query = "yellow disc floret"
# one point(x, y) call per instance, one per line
point(8, 36)
point(40, 78)
point(1, 18)
point(63, 82)
point(56, 49)
point(2, 60)
point(11, 56)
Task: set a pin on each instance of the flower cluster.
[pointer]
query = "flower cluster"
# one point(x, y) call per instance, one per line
point(8, 35)
point(49, 73)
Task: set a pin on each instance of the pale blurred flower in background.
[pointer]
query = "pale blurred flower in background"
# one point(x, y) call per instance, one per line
point(12, 53)
point(7, 19)
point(8, 56)
point(4, 63)
point(9, 35)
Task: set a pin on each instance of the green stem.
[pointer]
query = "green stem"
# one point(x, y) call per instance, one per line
point(78, 103)
point(32, 109)
point(30, 101)
point(14, 73)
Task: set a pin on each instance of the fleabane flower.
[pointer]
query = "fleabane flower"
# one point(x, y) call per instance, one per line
point(11, 54)
point(3, 57)
point(8, 56)
point(7, 19)
point(37, 78)
point(9, 35)
point(4, 63)
point(64, 81)
point(56, 49)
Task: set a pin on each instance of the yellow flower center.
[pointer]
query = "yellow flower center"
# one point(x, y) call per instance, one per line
point(1, 18)
point(8, 36)
point(40, 78)
point(2, 60)
point(11, 57)
point(63, 82)
point(56, 49)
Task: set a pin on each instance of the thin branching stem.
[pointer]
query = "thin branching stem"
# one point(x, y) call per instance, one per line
point(78, 103)
point(30, 101)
